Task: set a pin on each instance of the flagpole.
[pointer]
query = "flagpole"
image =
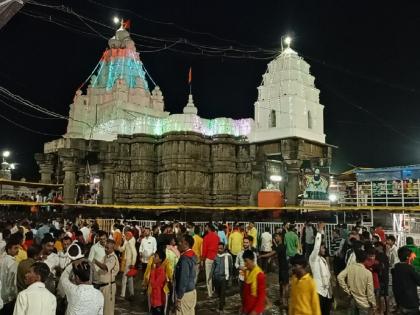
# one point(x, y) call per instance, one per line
point(190, 78)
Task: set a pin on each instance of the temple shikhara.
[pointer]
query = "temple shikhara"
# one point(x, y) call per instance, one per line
point(120, 134)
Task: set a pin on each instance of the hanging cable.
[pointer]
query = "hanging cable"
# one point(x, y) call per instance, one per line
point(27, 114)
point(67, 10)
point(41, 109)
point(366, 111)
point(28, 129)
point(90, 27)
point(182, 28)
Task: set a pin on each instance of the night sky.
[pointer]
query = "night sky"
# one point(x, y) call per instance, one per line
point(363, 54)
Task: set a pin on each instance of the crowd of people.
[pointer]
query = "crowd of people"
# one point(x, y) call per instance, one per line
point(63, 268)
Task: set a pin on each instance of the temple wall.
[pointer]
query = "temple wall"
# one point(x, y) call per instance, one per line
point(181, 167)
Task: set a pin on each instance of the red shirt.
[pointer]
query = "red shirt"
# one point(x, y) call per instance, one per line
point(157, 282)
point(254, 303)
point(27, 244)
point(371, 265)
point(210, 245)
point(381, 234)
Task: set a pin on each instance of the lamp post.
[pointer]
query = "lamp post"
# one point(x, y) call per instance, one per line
point(6, 167)
point(287, 40)
point(5, 154)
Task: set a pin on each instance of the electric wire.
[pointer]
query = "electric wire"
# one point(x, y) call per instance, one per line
point(380, 120)
point(26, 113)
point(202, 51)
point(68, 10)
point(182, 28)
point(39, 108)
point(27, 128)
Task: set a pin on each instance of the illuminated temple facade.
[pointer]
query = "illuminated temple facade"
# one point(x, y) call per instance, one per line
point(142, 154)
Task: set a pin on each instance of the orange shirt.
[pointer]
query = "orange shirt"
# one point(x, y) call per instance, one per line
point(117, 236)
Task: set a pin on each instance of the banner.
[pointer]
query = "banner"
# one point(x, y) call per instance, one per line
point(315, 184)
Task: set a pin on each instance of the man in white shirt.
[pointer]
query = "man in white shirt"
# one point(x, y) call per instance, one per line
point(36, 299)
point(393, 260)
point(147, 248)
point(308, 238)
point(240, 263)
point(86, 231)
point(8, 271)
point(266, 247)
point(109, 270)
point(5, 235)
point(48, 255)
point(82, 297)
point(97, 252)
point(130, 257)
point(321, 272)
point(62, 255)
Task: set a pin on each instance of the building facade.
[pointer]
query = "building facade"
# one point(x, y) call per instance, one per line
point(120, 134)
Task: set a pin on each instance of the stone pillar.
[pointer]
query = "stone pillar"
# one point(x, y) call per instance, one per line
point(244, 174)
point(46, 166)
point(183, 176)
point(143, 169)
point(223, 161)
point(122, 175)
point(292, 187)
point(81, 175)
point(70, 166)
point(108, 183)
point(71, 163)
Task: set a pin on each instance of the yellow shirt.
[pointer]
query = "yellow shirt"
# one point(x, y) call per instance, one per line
point(236, 240)
point(22, 255)
point(58, 245)
point(168, 270)
point(304, 298)
point(253, 232)
point(197, 247)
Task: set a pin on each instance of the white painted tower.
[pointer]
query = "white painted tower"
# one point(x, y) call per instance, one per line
point(288, 102)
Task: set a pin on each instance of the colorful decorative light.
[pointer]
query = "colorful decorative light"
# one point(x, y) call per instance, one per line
point(122, 63)
point(159, 126)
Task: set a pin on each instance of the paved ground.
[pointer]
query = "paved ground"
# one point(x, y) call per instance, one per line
point(207, 306)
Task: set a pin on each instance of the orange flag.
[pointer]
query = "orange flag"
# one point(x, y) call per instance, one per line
point(127, 24)
point(190, 76)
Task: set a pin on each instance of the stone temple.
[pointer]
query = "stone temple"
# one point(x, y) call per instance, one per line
point(120, 133)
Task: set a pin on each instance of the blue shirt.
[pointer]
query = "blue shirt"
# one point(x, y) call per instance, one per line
point(185, 274)
point(222, 236)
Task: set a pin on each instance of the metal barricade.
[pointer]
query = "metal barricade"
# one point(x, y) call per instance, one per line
point(105, 224)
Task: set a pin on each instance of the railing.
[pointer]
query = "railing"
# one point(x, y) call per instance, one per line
point(107, 225)
point(378, 193)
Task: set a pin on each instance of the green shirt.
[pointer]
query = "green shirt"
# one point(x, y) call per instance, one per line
point(291, 241)
point(416, 261)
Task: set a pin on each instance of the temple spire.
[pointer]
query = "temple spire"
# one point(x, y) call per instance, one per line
point(190, 107)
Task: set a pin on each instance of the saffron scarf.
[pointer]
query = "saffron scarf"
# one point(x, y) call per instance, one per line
point(251, 278)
